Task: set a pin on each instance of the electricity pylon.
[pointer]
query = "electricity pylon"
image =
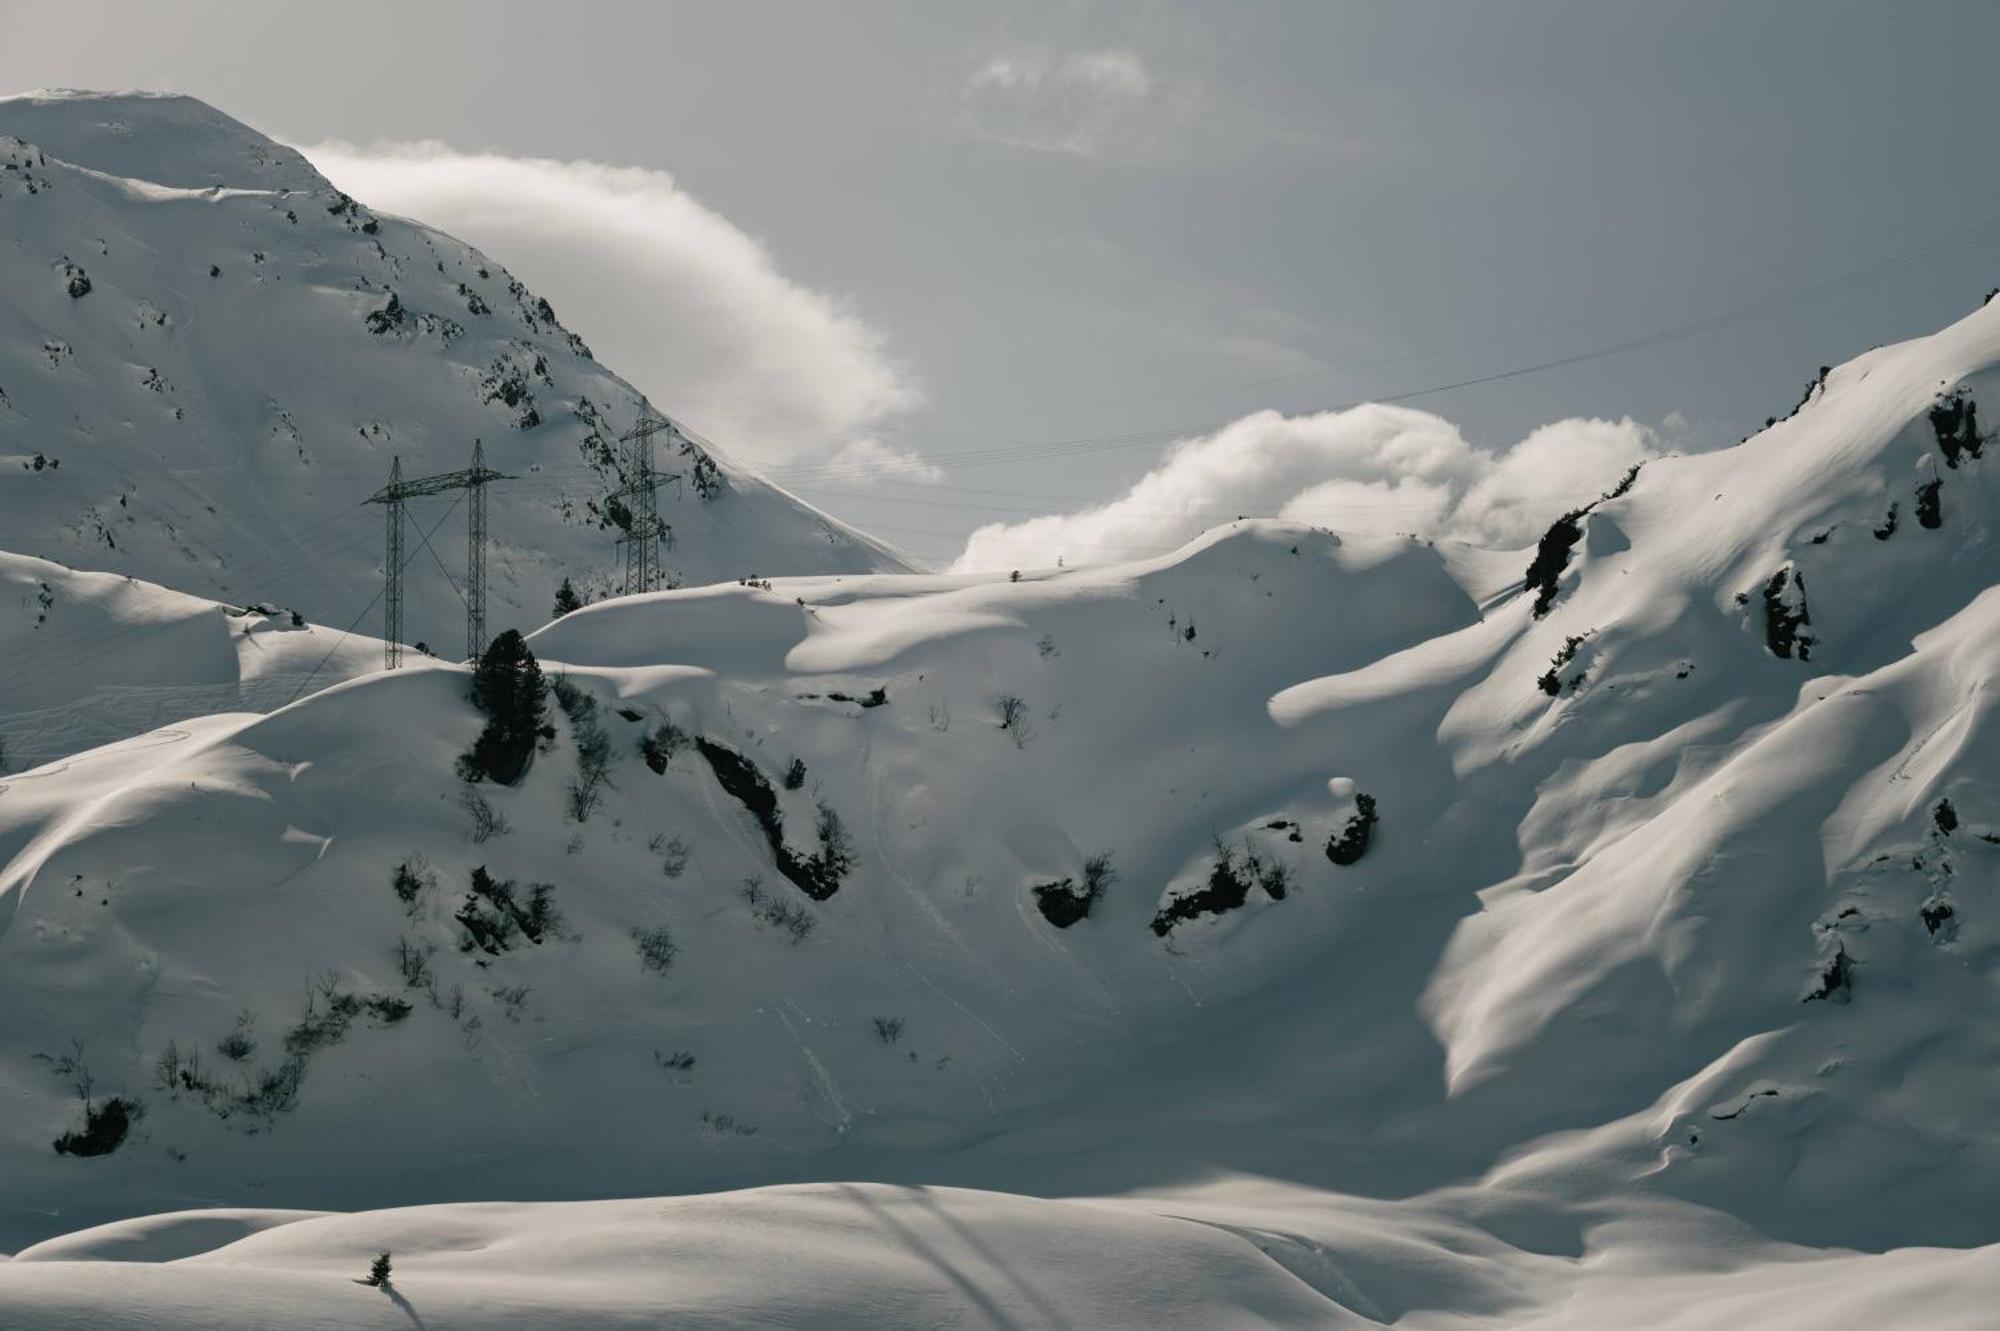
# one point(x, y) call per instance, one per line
point(394, 496)
point(644, 531)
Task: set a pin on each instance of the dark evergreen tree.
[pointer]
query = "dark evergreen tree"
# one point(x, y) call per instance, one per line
point(567, 599)
point(508, 686)
point(378, 1272)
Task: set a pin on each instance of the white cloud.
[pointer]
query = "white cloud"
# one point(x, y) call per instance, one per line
point(1370, 469)
point(668, 292)
point(1084, 103)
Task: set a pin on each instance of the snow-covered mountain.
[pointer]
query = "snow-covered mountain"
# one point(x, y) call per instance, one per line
point(209, 357)
point(1399, 939)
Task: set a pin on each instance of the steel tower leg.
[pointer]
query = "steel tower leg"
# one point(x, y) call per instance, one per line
point(475, 556)
point(392, 572)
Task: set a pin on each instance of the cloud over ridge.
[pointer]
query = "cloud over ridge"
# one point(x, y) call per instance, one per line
point(1368, 469)
point(669, 292)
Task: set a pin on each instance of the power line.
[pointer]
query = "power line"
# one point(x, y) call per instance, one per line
point(349, 630)
point(74, 649)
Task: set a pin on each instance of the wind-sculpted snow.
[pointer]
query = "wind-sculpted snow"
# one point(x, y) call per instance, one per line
point(96, 658)
point(1661, 998)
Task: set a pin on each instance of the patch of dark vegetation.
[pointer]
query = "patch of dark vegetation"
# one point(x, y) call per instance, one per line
point(1813, 389)
point(510, 382)
point(1291, 829)
point(825, 869)
point(104, 1128)
point(1955, 423)
point(1014, 721)
point(875, 697)
point(1551, 681)
point(1552, 557)
point(508, 687)
point(888, 1029)
point(105, 1123)
point(656, 948)
point(784, 916)
point(818, 875)
point(1625, 482)
point(493, 914)
point(1553, 550)
point(414, 876)
point(659, 748)
point(725, 1125)
point(1836, 979)
point(585, 790)
point(389, 318)
point(264, 1093)
point(1786, 615)
point(1064, 902)
point(795, 774)
point(386, 1008)
point(1888, 527)
point(742, 782)
point(487, 821)
point(1930, 503)
point(1352, 841)
point(1230, 877)
point(1945, 817)
point(1938, 916)
point(703, 474)
point(239, 1044)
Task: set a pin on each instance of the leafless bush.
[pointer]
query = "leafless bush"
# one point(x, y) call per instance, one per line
point(487, 822)
point(1014, 720)
point(413, 962)
point(792, 918)
point(512, 1000)
point(657, 948)
point(239, 1044)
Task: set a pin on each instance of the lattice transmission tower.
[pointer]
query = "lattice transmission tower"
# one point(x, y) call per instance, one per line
point(637, 501)
point(394, 496)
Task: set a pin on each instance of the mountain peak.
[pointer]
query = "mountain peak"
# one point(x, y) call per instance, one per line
point(160, 137)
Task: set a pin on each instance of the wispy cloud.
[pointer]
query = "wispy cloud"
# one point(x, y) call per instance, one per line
point(1083, 103)
point(668, 292)
point(1374, 468)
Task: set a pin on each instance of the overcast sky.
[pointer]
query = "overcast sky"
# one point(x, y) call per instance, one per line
point(938, 267)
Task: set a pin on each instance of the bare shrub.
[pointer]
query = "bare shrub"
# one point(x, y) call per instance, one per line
point(1014, 720)
point(239, 1044)
point(657, 948)
point(414, 876)
point(487, 822)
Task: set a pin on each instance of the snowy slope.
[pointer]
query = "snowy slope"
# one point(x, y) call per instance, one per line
point(867, 1256)
point(93, 658)
point(209, 356)
point(1658, 993)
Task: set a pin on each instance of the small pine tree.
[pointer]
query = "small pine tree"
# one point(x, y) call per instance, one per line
point(567, 599)
point(508, 686)
point(378, 1272)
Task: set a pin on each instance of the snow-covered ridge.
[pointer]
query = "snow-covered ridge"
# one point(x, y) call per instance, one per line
point(209, 356)
point(93, 658)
